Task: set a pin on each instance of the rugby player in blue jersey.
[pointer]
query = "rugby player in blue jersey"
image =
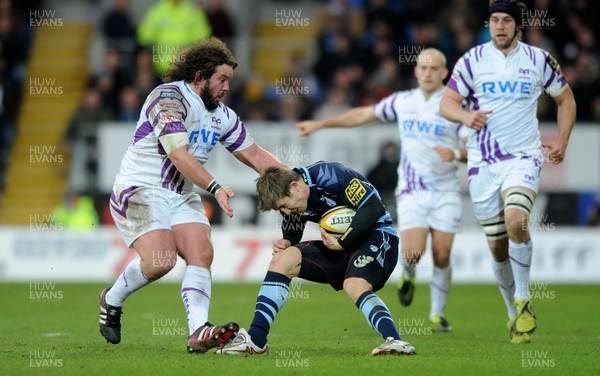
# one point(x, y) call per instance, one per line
point(359, 262)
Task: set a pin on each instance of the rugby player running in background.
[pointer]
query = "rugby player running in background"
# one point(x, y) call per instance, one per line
point(428, 193)
point(502, 80)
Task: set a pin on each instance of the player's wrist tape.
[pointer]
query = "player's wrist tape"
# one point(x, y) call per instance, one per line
point(456, 154)
point(213, 187)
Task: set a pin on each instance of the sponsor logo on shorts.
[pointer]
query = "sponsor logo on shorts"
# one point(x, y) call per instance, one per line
point(362, 261)
point(355, 191)
point(530, 179)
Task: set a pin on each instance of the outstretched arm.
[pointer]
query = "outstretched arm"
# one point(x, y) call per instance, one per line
point(353, 118)
point(258, 158)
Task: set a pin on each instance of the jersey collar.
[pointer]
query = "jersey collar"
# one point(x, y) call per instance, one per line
point(438, 93)
point(303, 171)
point(510, 54)
point(194, 95)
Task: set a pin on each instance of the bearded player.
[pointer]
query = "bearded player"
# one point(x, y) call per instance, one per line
point(502, 81)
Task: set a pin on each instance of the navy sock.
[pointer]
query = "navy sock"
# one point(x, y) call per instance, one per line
point(378, 315)
point(271, 297)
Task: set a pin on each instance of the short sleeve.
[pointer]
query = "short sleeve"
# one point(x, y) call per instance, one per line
point(235, 137)
point(167, 112)
point(385, 108)
point(461, 80)
point(554, 80)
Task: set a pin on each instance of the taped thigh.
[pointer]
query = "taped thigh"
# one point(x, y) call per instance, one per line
point(519, 198)
point(494, 228)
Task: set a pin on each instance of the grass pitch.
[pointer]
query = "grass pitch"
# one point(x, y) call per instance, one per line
point(53, 329)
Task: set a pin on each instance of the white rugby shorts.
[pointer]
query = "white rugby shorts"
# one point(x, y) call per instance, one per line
point(439, 210)
point(139, 210)
point(486, 183)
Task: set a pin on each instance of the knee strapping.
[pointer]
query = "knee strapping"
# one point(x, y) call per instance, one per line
point(519, 198)
point(494, 228)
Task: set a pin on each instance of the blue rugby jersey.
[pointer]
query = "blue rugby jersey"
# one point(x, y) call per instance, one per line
point(332, 184)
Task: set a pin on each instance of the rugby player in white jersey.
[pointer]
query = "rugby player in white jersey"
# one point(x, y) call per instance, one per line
point(428, 192)
point(502, 80)
point(153, 202)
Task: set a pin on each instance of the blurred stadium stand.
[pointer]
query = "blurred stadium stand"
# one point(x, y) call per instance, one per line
point(330, 45)
point(56, 72)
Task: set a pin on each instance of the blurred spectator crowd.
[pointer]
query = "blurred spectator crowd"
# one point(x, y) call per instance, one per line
point(15, 41)
point(367, 49)
point(364, 50)
point(134, 60)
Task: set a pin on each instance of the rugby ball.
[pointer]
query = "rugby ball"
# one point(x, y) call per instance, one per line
point(337, 220)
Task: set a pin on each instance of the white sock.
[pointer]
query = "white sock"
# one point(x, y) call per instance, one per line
point(131, 280)
point(195, 293)
point(440, 287)
point(506, 283)
point(520, 259)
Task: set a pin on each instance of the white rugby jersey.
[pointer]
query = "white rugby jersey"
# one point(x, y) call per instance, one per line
point(421, 129)
point(173, 108)
point(509, 86)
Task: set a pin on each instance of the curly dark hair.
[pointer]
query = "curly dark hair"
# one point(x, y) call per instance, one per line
point(200, 61)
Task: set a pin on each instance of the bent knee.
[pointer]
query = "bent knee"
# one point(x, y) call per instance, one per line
point(354, 287)
point(356, 283)
point(159, 265)
point(286, 261)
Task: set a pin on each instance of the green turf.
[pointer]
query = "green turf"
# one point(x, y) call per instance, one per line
point(318, 332)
